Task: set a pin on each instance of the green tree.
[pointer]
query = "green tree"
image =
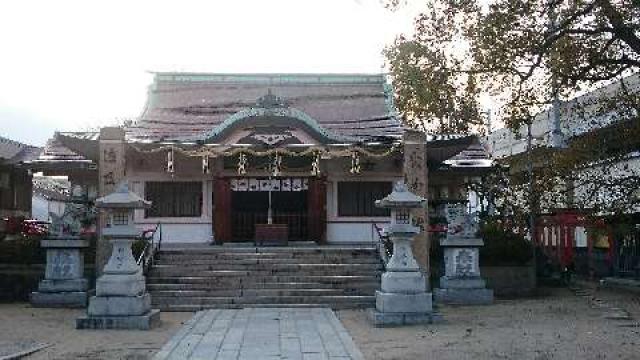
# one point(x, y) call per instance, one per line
point(527, 55)
point(524, 53)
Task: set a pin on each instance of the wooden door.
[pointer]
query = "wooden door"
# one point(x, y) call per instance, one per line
point(317, 209)
point(222, 209)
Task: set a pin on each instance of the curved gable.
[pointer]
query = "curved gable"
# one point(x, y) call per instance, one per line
point(273, 120)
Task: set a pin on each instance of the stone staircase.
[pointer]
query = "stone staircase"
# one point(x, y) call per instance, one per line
point(190, 279)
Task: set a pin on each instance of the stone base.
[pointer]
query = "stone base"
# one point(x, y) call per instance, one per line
point(462, 283)
point(119, 305)
point(76, 299)
point(464, 296)
point(56, 286)
point(380, 319)
point(120, 285)
point(403, 282)
point(140, 322)
point(404, 303)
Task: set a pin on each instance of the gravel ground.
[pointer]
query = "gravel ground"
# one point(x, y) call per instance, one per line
point(562, 325)
point(20, 324)
point(559, 326)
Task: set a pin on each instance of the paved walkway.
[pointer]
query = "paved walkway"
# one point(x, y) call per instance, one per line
point(262, 333)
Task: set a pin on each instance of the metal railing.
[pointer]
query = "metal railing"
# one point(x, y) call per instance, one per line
point(151, 247)
point(384, 244)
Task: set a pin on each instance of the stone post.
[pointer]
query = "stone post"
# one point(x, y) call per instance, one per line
point(64, 284)
point(111, 170)
point(415, 176)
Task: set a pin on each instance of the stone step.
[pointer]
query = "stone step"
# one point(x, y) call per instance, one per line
point(255, 300)
point(194, 308)
point(368, 285)
point(174, 272)
point(267, 251)
point(258, 292)
point(271, 268)
point(221, 277)
point(224, 279)
point(252, 261)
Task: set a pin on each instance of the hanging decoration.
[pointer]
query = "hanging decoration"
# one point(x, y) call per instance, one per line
point(316, 152)
point(315, 165)
point(355, 163)
point(242, 164)
point(276, 166)
point(311, 150)
point(170, 167)
point(205, 165)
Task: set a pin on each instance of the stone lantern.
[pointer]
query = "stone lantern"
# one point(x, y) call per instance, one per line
point(403, 298)
point(121, 300)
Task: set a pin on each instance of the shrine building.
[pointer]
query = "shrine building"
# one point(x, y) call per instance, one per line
point(243, 157)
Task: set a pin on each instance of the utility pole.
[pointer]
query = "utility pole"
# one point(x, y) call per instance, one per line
point(488, 122)
point(532, 219)
point(555, 139)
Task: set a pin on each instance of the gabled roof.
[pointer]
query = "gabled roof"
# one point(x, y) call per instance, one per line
point(187, 106)
point(457, 151)
point(473, 156)
point(14, 152)
point(58, 153)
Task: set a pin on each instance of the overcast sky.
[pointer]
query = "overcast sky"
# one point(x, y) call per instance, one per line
point(75, 65)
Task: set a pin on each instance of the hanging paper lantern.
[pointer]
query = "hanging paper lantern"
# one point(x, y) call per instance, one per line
point(276, 166)
point(205, 165)
point(355, 163)
point(315, 165)
point(170, 167)
point(242, 164)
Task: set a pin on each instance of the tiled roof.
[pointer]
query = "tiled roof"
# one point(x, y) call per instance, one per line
point(51, 188)
point(187, 106)
point(12, 152)
point(473, 156)
point(57, 151)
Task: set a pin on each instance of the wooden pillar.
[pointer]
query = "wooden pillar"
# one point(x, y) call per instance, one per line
point(111, 170)
point(222, 210)
point(317, 211)
point(415, 176)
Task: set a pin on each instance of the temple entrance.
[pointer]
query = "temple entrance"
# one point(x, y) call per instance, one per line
point(242, 203)
point(251, 207)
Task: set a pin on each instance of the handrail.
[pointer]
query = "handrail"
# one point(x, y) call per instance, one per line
point(151, 247)
point(384, 245)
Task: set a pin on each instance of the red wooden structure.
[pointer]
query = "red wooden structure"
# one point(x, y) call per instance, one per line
point(566, 233)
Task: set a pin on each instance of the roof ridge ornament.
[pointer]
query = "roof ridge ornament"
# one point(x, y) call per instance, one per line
point(271, 101)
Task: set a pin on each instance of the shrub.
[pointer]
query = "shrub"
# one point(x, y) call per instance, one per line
point(503, 247)
point(138, 247)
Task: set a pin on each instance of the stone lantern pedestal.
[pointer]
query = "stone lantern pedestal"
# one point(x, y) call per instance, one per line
point(64, 284)
point(121, 300)
point(403, 298)
point(461, 283)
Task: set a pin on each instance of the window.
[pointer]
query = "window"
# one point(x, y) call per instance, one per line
point(358, 198)
point(174, 198)
point(120, 218)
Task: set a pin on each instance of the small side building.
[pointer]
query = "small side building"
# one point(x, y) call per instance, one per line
point(15, 179)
